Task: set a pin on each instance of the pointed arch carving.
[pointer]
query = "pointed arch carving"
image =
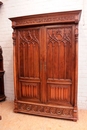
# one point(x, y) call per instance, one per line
point(60, 35)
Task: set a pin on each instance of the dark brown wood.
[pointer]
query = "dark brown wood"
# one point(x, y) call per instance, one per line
point(2, 95)
point(1, 3)
point(46, 64)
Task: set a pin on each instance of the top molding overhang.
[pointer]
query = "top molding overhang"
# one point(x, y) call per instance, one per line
point(48, 18)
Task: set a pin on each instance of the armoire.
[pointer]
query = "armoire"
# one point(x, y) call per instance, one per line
point(45, 55)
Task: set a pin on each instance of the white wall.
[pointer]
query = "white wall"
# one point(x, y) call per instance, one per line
point(12, 8)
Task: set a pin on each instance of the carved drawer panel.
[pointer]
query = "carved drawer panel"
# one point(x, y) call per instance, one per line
point(44, 110)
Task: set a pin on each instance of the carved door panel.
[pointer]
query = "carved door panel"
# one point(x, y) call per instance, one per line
point(60, 63)
point(46, 64)
point(29, 60)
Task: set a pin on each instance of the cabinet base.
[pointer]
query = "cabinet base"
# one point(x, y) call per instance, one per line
point(60, 112)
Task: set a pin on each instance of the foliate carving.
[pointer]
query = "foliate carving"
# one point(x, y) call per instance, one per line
point(40, 108)
point(60, 35)
point(16, 106)
point(48, 19)
point(76, 33)
point(58, 17)
point(14, 37)
point(13, 24)
point(46, 110)
point(28, 37)
point(52, 110)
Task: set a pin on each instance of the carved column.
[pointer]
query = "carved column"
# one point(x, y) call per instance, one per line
point(76, 70)
point(14, 58)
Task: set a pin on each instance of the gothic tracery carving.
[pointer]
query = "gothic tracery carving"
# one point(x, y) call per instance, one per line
point(60, 35)
point(28, 37)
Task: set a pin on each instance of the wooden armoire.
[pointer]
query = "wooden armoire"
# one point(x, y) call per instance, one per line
point(46, 64)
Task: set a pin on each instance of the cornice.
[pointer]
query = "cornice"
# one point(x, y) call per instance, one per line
point(49, 18)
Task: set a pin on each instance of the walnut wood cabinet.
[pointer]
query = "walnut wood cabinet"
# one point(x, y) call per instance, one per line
point(46, 64)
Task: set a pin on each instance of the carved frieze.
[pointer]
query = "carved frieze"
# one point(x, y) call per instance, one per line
point(50, 19)
point(58, 17)
point(46, 110)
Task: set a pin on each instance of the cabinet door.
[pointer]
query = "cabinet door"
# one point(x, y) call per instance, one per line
point(28, 64)
point(60, 54)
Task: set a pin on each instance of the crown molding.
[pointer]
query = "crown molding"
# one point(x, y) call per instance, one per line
point(49, 18)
